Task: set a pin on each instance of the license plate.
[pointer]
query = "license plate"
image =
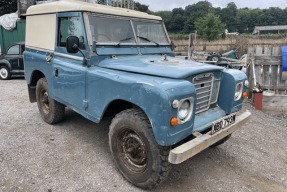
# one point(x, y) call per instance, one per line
point(222, 123)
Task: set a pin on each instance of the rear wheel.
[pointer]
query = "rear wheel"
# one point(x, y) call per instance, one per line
point(136, 154)
point(51, 111)
point(5, 73)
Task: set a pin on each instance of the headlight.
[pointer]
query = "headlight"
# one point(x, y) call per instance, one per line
point(238, 91)
point(246, 83)
point(185, 109)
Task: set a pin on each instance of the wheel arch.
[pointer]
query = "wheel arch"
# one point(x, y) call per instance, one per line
point(6, 64)
point(119, 105)
point(35, 76)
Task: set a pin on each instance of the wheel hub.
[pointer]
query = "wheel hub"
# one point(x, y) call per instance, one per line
point(3, 73)
point(45, 101)
point(133, 152)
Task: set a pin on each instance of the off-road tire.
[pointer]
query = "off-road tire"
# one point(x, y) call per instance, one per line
point(136, 153)
point(220, 142)
point(5, 73)
point(50, 110)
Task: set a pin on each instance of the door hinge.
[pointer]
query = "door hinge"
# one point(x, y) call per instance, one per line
point(85, 104)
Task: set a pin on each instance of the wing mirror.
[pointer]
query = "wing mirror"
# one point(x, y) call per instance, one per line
point(72, 46)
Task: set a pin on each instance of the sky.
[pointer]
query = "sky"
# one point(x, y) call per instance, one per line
point(160, 5)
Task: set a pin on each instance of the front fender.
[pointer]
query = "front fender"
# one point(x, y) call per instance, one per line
point(229, 80)
point(152, 94)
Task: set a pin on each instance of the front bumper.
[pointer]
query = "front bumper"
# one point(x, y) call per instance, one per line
point(203, 141)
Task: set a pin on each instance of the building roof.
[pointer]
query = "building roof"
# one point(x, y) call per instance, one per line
point(257, 29)
point(75, 5)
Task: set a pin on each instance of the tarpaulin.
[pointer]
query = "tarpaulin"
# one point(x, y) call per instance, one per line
point(8, 21)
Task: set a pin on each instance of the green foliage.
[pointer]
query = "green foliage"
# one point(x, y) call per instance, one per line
point(209, 27)
point(166, 16)
point(8, 7)
point(141, 7)
point(228, 15)
point(241, 20)
point(198, 10)
point(177, 20)
point(193, 12)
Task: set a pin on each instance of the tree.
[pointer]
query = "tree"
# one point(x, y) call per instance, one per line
point(8, 7)
point(241, 20)
point(198, 9)
point(166, 16)
point(177, 23)
point(228, 15)
point(209, 27)
point(141, 7)
point(193, 12)
point(246, 19)
point(177, 20)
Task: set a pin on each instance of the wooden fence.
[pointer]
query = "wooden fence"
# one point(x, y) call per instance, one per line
point(268, 69)
point(240, 43)
point(265, 72)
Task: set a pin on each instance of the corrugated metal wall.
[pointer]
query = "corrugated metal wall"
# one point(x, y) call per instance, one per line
point(9, 37)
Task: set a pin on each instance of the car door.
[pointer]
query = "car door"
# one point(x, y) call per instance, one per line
point(68, 70)
point(13, 56)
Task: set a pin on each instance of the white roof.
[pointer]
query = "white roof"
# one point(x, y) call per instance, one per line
point(74, 5)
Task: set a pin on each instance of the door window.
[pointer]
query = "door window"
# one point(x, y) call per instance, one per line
point(70, 26)
point(14, 50)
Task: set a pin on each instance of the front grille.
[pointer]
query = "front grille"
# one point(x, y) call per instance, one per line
point(207, 88)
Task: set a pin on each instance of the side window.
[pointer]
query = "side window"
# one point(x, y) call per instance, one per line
point(70, 26)
point(14, 50)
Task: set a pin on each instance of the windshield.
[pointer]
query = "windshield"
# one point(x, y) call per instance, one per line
point(126, 31)
point(148, 32)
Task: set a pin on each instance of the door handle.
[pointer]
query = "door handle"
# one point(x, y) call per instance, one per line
point(49, 58)
point(56, 72)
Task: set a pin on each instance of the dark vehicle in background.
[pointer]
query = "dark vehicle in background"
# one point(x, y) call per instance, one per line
point(11, 62)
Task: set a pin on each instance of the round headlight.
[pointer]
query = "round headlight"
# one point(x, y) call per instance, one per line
point(238, 91)
point(184, 110)
point(246, 83)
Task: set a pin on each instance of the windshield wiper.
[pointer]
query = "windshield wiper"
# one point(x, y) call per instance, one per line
point(147, 39)
point(128, 38)
point(120, 41)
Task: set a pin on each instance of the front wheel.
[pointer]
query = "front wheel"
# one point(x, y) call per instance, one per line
point(136, 154)
point(51, 111)
point(5, 73)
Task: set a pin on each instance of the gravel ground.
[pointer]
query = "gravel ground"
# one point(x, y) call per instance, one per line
point(74, 154)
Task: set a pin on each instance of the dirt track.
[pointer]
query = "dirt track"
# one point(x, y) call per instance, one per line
point(74, 154)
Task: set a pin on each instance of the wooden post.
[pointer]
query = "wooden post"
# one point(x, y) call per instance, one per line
point(250, 56)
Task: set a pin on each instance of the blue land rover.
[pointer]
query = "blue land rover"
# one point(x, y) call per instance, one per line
point(100, 61)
